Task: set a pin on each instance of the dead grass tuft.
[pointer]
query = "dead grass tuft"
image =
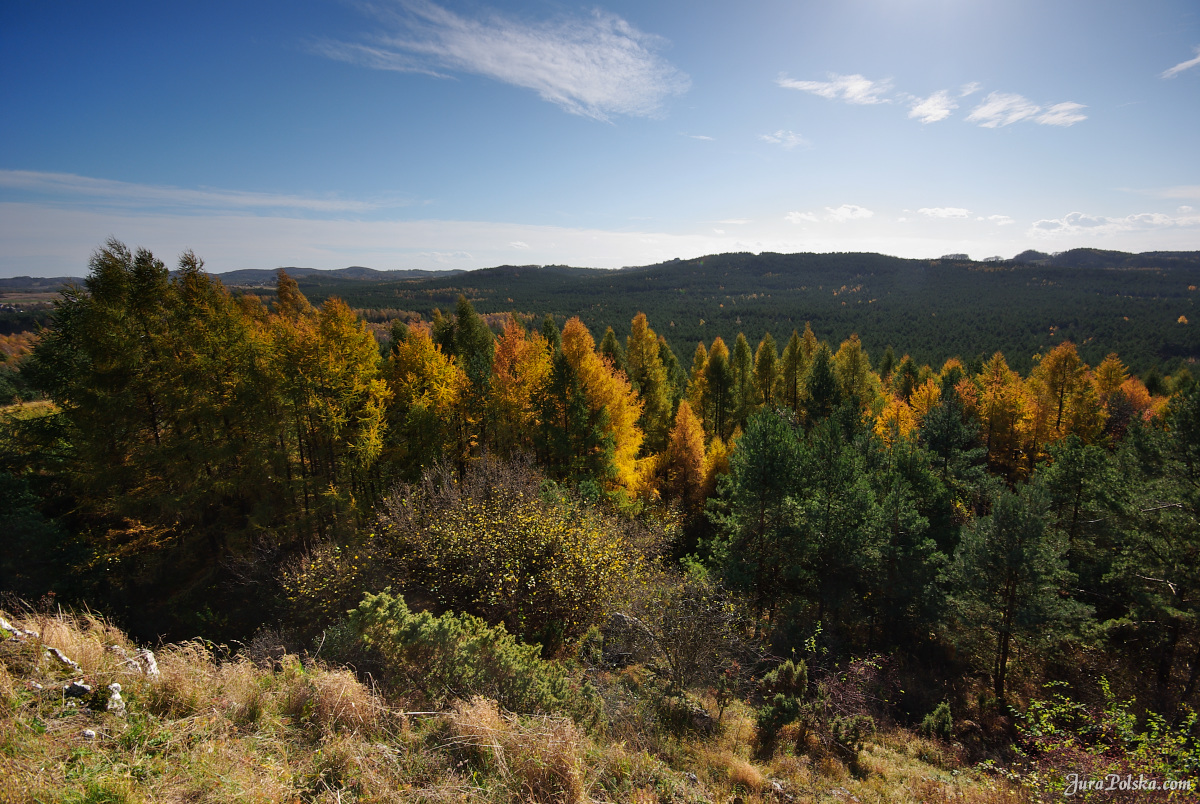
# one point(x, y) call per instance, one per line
point(536, 758)
point(329, 700)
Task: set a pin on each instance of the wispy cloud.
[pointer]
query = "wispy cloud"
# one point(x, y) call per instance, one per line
point(937, 106)
point(785, 139)
point(848, 212)
point(1181, 66)
point(1062, 114)
point(1001, 220)
point(703, 137)
point(849, 88)
point(596, 66)
point(969, 89)
point(1079, 223)
point(945, 212)
point(1184, 192)
point(800, 217)
point(1005, 108)
point(70, 187)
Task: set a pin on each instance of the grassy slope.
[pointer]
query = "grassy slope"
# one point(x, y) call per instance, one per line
point(235, 731)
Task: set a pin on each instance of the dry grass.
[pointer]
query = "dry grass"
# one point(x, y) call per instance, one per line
point(219, 731)
point(538, 759)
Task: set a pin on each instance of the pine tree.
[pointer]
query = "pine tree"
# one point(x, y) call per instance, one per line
point(793, 368)
point(1010, 579)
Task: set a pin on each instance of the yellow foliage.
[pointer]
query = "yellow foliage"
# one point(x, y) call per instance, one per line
point(895, 422)
point(925, 398)
point(611, 392)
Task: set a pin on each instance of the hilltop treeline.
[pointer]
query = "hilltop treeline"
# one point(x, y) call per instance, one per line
point(214, 464)
point(932, 309)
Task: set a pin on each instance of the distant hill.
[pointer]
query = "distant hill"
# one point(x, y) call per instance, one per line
point(1141, 306)
point(933, 309)
point(259, 277)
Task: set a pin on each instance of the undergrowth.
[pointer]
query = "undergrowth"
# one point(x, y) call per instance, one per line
point(213, 726)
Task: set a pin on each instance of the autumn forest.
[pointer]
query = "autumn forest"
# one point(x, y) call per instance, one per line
point(802, 516)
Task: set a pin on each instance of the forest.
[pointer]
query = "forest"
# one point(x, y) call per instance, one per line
point(779, 552)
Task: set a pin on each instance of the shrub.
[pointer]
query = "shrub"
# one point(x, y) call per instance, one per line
point(459, 656)
point(938, 723)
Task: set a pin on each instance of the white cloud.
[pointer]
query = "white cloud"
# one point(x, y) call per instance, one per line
point(519, 244)
point(1184, 209)
point(850, 88)
point(800, 217)
point(786, 139)
point(1062, 114)
point(77, 188)
point(945, 212)
point(735, 221)
point(848, 212)
point(1001, 220)
point(719, 231)
point(1078, 223)
point(1006, 108)
point(1002, 109)
point(596, 66)
point(937, 106)
point(969, 89)
point(704, 137)
point(1181, 66)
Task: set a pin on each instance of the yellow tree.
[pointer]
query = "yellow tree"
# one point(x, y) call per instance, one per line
point(1002, 408)
point(697, 387)
point(853, 369)
point(609, 392)
point(766, 370)
point(895, 422)
point(1052, 384)
point(520, 366)
point(925, 398)
point(429, 389)
point(649, 378)
point(685, 459)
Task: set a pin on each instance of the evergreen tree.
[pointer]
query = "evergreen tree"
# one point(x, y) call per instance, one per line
point(821, 391)
point(1009, 582)
point(611, 350)
point(793, 368)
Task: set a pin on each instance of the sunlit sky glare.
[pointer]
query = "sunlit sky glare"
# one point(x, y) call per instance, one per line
point(412, 134)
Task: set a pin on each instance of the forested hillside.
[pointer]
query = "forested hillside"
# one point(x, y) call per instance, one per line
point(835, 543)
point(932, 309)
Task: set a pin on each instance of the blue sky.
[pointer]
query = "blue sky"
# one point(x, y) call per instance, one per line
point(398, 134)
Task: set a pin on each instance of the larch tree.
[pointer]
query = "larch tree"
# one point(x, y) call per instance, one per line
point(745, 391)
point(718, 390)
point(649, 378)
point(610, 393)
point(766, 370)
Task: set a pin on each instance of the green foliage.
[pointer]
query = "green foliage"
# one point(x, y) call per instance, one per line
point(1010, 579)
point(938, 723)
point(1063, 738)
point(458, 656)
